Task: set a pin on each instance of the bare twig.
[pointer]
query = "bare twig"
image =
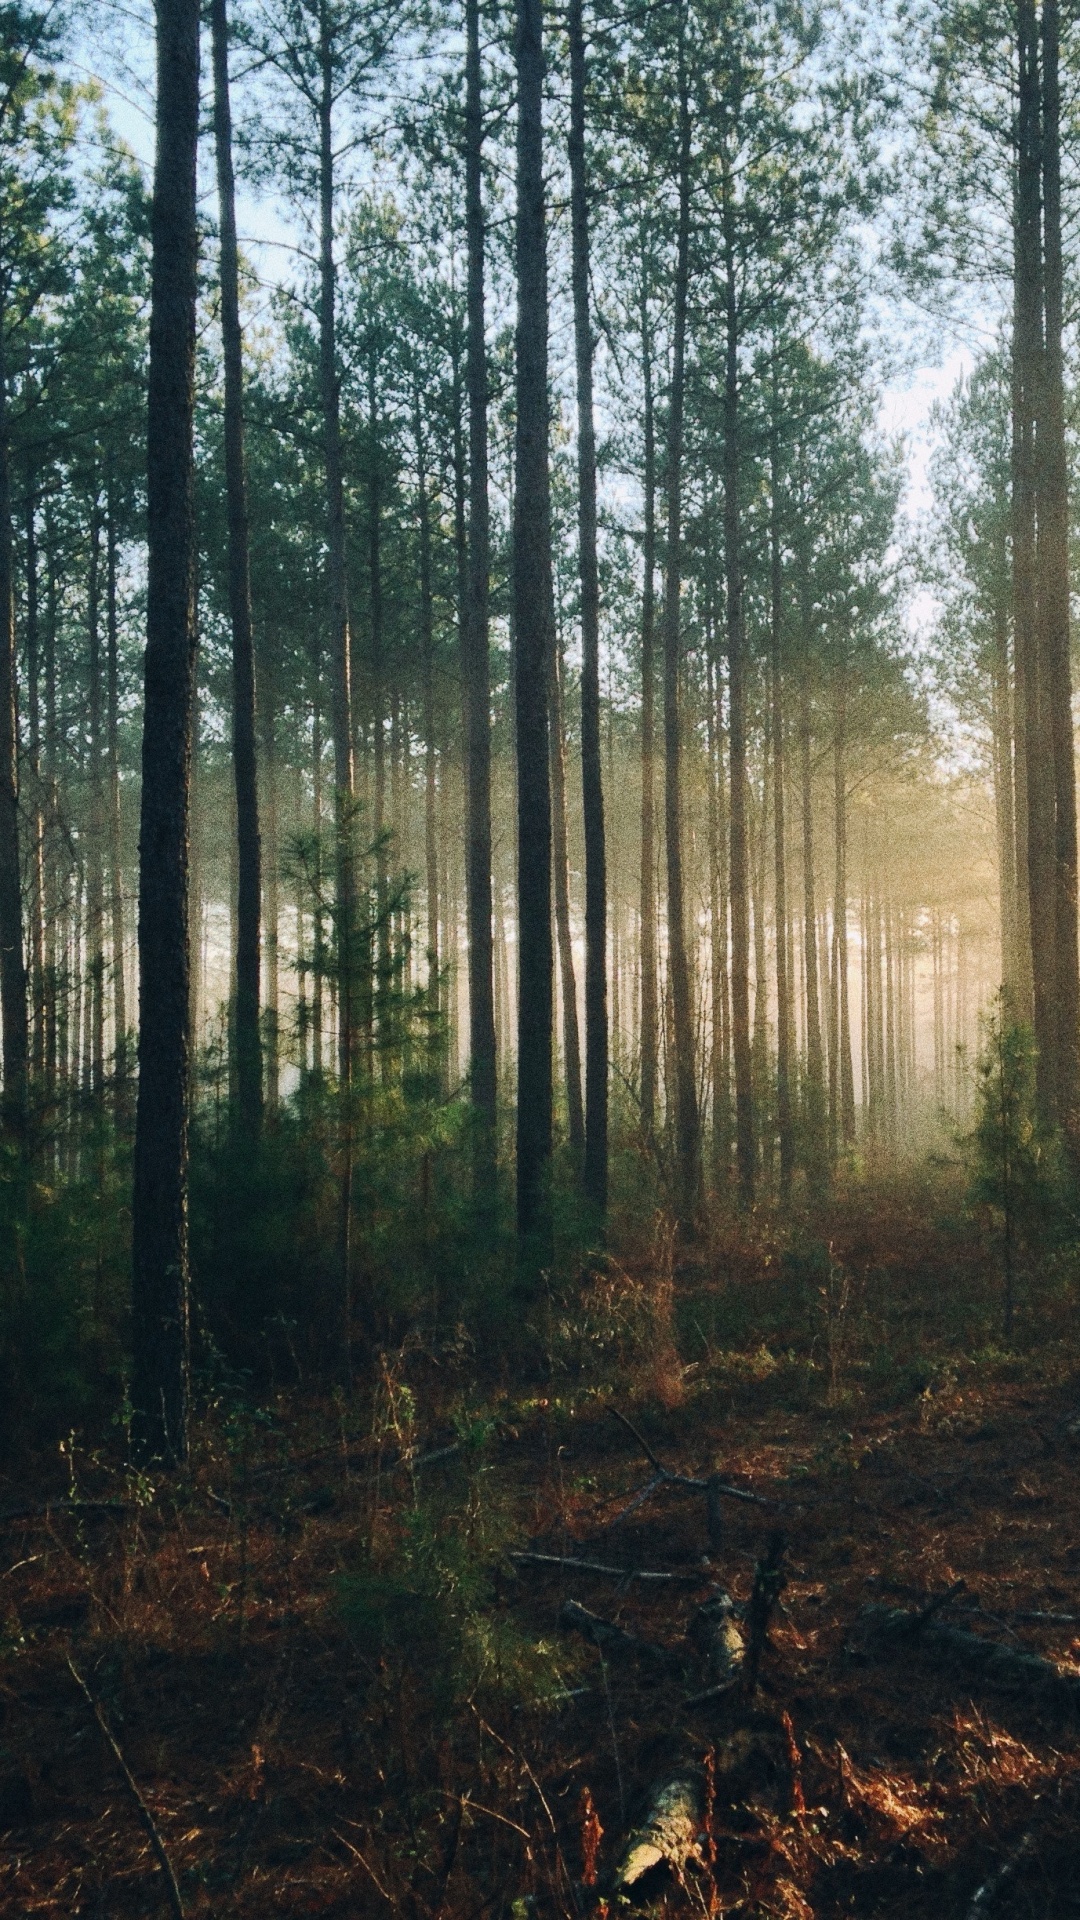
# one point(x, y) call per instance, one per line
point(146, 1817)
point(603, 1572)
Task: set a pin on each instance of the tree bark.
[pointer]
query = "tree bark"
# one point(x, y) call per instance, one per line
point(474, 634)
point(337, 585)
point(160, 1220)
point(1027, 358)
point(116, 861)
point(1054, 638)
point(745, 1147)
point(533, 635)
point(784, 1122)
point(37, 820)
point(687, 1123)
point(249, 877)
point(596, 1007)
point(560, 856)
point(13, 1007)
point(814, 1113)
point(648, 991)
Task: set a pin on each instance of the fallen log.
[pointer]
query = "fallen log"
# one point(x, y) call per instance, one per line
point(610, 1637)
point(669, 1833)
point(894, 1629)
point(715, 1636)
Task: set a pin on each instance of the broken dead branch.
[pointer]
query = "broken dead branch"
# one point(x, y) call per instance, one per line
point(715, 1636)
point(597, 1567)
point(713, 1487)
point(610, 1637)
point(887, 1629)
point(134, 1794)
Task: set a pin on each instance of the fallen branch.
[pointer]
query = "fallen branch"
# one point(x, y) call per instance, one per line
point(609, 1636)
point(596, 1567)
point(713, 1487)
point(42, 1509)
point(891, 1628)
point(146, 1817)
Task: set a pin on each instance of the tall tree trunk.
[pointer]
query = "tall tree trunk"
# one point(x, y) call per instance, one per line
point(159, 1388)
point(337, 588)
point(474, 636)
point(95, 878)
point(596, 1010)
point(745, 1151)
point(348, 957)
point(1027, 359)
point(534, 636)
point(54, 906)
point(249, 877)
point(427, 656)
point(36, 812)
point(13, 1008)
point(687, 1124)
point(814, 1113)
point(378, 694)
point(845, 1083)
point(270, 904)
point(784, 1023)
point(116, 860)
point(648, 990)
point(1002, 737)
point(560, 856)
point(1053, 515)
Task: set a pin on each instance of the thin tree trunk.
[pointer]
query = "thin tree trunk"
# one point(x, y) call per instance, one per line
point(13, 1007)
point(1027, 358)
point(427, 657)
point(784, 1023)
point(249, 877)
point(1054, 639)
point(37, 823)
point(560, 856)
point(159, 1389)
point(648, 994)
point(814, 1115)
point(745, 1149)
point(474, 636)
point(845, 1077)
point(687, 1125)
point(596, 1010)
point(116, 861)
point(533, 636)
point(95, 887)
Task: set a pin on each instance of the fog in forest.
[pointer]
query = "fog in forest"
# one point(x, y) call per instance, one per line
point(538, 880)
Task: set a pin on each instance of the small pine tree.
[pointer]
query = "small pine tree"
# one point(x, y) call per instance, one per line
point(1015, 1162)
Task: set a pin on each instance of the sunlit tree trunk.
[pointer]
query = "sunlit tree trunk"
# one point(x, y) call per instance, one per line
point(784, 1021)
point(159, 1387)
point(687, 1141)
point(1054, 639)
point(596, 1009)
point(745, 1146)
point(477, 693)
point(648, 986)
point(533, 637)
point(560, 856)
point(249, 876)
point(1027, 359)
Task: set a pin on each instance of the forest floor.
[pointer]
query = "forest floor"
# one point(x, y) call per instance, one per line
point(334, 1690)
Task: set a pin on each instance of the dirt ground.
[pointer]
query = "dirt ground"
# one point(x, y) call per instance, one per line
point(309, 1737)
